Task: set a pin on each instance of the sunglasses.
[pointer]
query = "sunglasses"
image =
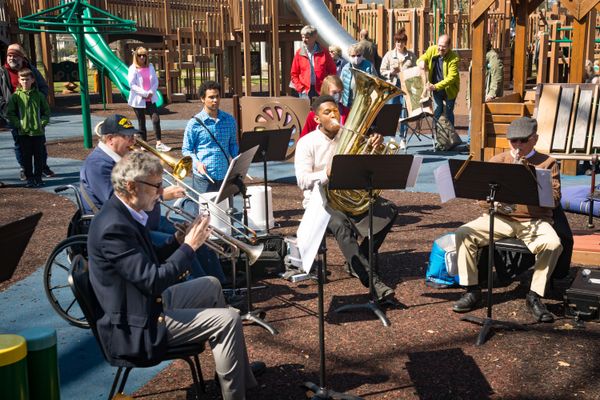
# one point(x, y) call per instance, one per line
point(141, 55)
point(156, 186)
point(522, 140)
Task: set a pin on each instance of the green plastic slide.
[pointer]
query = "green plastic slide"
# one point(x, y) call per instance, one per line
point(97, 50)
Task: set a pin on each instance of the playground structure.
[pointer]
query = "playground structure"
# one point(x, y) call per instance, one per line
point(489, 121)
point(230, 41)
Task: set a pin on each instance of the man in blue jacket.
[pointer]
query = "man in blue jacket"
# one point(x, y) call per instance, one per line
point(116, 138)
point(146, 302)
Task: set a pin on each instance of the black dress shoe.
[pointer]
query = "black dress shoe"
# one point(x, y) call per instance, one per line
point(468, 302)
point(258, 368)
point(350, 270)
point(538, 309)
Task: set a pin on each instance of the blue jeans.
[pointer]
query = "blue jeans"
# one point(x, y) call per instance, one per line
point(206, 262)
point(439, 97)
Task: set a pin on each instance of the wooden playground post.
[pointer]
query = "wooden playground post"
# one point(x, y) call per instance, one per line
point(47, 58)
point(542, 58)
point(247, 45)
point(554, 56)
point(274, 81)
point(520, 60)
point(591, 35)
point(479, 24)
point(381, 43)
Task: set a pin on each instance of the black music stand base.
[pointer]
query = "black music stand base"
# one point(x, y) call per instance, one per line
point(320, 391)
point(323, 393)
point(489, 323)
point(373, 306)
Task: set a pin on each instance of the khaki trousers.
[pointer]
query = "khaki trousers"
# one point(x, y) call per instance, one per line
point(539, 237)
point(195, 312)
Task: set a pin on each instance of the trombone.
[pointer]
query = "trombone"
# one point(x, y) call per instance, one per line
point(253, 252)
point(181, 168)
point(248, 233)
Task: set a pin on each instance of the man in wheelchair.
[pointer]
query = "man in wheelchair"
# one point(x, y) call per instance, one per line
point(117, 136)
point(531, 224)
point(148, 305)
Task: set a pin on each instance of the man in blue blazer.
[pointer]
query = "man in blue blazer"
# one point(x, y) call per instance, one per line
point(117, 136)
point(146, 302)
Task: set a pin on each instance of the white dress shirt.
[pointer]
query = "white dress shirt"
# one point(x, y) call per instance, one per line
point(314, 152)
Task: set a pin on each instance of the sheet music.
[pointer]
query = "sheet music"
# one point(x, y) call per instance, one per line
point(312, 228)
point(415, 167)
point(544, 178)
point(443, 180)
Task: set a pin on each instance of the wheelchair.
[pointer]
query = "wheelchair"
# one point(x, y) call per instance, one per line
point(58, 265)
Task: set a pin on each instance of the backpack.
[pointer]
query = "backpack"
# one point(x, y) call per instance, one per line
point(445, 135)
point(442, 269)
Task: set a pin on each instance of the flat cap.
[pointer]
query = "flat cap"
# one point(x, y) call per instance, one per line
point(521, 128)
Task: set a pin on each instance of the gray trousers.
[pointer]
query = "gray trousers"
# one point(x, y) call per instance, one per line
point(196, 311)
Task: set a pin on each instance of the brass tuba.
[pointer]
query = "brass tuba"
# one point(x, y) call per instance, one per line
point(371, 95)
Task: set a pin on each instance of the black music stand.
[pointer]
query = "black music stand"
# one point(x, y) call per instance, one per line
point(320, 391)
point(233, 183)
point(386, 122)
point(370, 172)
point(273, 146)
point(507, 183)
point(14, 238)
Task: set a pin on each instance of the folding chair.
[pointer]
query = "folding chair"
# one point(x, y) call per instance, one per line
point(420, 123)
point(423, 123)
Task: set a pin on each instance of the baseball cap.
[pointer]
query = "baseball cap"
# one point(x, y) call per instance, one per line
point(117, 125)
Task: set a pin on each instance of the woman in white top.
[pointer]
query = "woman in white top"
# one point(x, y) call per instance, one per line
point(143, 85)
point(395, 61)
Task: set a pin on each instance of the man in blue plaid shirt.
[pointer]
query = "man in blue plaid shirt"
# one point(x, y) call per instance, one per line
point(210, 139)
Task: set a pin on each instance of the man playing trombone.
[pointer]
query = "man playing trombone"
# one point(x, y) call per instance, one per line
point(116, 139)
point(147, 304)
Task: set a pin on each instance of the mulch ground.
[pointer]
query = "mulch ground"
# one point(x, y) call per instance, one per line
point(426, 353)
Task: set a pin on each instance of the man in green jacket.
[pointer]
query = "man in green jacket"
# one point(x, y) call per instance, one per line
point(494, 77)
point(444, 82)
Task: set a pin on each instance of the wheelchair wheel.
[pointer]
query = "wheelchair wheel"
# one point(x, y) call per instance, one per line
point(56, 279)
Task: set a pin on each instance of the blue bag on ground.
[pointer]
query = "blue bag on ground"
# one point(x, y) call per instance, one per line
point(442, 270)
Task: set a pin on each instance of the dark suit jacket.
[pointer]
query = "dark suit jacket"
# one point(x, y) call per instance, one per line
point(128, 276)
point(95, 179)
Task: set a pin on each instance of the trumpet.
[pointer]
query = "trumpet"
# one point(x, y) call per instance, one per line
point(253, 252)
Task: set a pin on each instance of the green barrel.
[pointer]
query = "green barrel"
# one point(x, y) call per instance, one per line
point(42, 363)
point(13, 368)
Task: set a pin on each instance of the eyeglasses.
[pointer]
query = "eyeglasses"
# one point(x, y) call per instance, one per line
point(156, 186)
point(521, 140)
point(141, 55)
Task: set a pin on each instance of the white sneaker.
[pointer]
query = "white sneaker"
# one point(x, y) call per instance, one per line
point(403, 144)
point(163, 147)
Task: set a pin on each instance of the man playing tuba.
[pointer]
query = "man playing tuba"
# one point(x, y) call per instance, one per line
point(312, 161)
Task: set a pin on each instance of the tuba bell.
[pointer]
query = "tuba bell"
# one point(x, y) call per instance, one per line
point(371, 95)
